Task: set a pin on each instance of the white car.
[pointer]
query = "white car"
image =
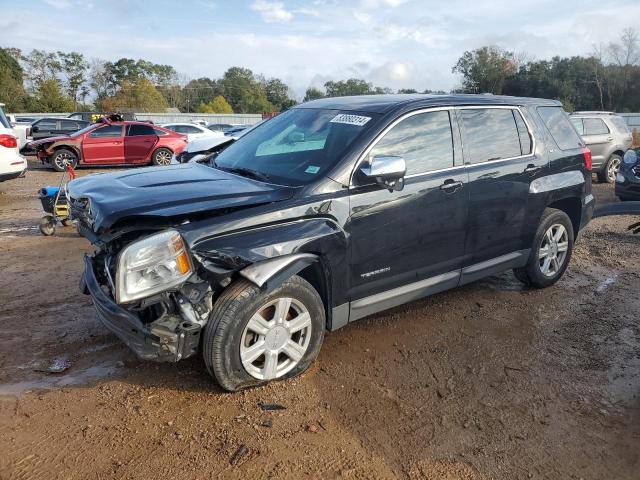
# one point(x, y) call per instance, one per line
point(200, 148)
point(192, 131)
point(21, 130)
point(12, 164)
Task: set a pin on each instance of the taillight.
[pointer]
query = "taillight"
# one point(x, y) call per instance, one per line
point(587, 158)
point(8, 141)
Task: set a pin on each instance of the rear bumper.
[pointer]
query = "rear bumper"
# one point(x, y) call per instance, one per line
point(124, 324)
point(10, 176)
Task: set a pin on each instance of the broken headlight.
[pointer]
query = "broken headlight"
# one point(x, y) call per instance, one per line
point(152, 265)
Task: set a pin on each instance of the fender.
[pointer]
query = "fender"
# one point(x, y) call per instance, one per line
point(271, 273)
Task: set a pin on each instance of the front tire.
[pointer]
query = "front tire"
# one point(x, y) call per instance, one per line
point(161, 157)
point(253, 338)
point(63, 157)
point(550, 252)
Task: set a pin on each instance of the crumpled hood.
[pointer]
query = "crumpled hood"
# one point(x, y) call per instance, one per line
point(42, 141)
point(167, 191)
point(205, 143)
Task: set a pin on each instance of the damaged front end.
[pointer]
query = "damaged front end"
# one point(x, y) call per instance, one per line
point(157, 312)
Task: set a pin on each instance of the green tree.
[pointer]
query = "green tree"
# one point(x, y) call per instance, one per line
point(49, 97)
point(41, 66)
point(12, 92)
point(74, 69)
point(278, 93)
point(217, 104)
point(485, 70)
point(139, 95)
point(313, 93)
point(352, 86)
point(244, 92)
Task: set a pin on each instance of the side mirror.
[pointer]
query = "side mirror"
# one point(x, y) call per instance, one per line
point(35, 129)
point(386, 171)
point(631, 157)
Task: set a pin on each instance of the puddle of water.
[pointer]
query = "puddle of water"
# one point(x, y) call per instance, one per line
point(67, 379)
point(608, 281)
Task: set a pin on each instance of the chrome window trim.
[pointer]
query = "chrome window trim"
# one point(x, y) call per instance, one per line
point(449, 109)
point(504, 107)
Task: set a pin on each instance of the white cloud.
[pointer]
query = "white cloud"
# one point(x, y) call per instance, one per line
point(272, 12)
point(59, 3)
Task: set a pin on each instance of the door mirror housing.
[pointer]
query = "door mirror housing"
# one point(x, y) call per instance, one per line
point(35, 129)
point(387, 171)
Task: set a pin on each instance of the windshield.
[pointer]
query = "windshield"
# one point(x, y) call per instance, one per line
point(83, 131)
point(295, 147)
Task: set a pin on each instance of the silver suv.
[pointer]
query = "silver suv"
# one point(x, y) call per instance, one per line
point(608, 137)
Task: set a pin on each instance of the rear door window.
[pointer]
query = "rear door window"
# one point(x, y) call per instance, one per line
point(594, 126)
point(136, 130)
point(47, 125)
point(68, 125)
point(424, 141)
point(558, 125)
point(491, 134)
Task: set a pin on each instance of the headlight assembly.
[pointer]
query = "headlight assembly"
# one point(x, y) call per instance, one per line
point(152, 265)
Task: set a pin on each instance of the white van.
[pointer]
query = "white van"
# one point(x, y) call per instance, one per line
point(12, 164)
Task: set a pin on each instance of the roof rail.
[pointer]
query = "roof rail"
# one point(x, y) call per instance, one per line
point(592, 112)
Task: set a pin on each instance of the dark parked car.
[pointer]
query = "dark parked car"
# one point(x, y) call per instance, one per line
point(95, 116)
point(628, 177)
point(332, 211)
point(54, 127)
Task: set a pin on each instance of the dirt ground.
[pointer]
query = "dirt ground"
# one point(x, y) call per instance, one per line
point(486, 381)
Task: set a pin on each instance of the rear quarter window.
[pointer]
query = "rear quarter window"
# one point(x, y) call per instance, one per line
point(619, 124)
point(558, 125)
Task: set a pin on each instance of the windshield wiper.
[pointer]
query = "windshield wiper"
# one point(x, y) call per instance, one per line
point(246, 172)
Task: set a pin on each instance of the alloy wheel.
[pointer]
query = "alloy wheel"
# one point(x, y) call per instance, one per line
point(275, 339)
point(613, 168)
point(553, 250)
point(63, 159)
point(163, 157)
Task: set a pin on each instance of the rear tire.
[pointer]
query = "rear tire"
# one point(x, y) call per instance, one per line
point(62, 157)
point(550, 252)
point(610, 169)
point(237, 356)
point(161, 157)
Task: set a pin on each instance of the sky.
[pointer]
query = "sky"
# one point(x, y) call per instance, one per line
point(391, 43)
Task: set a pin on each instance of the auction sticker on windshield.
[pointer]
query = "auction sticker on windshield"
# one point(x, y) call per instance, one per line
point(358, 120)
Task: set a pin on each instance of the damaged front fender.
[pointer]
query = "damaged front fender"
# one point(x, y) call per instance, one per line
point(270, 274)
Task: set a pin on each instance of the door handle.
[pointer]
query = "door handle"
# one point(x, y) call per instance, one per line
point(450, 185)
point(610, 139)
point(531, 168)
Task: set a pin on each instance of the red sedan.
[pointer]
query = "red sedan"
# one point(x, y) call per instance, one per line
point(111, 143)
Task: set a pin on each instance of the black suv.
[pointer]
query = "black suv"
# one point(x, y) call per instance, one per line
point(331, 211)
point(54, 127)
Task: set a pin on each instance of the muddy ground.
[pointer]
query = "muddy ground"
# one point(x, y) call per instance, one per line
point(486, 381)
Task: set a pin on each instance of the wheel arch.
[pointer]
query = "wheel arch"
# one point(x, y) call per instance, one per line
point(66, 146)
point(572, 206)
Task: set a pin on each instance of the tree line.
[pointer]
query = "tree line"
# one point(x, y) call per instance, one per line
point(606, 79)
